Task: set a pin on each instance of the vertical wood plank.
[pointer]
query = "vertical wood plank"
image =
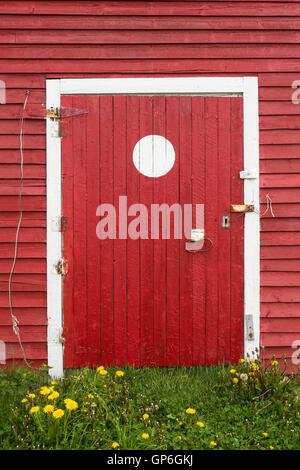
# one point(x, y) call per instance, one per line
point(172, 246)
point(198, 260)
point(186, 308)
point(133, 246)
point(106, 246)
point(159, 246)
point(224, 182)
point(80, 234)
point(211, 211)
point(67, 156)
point(147, 274)
point(120, 244)
point(237, 232)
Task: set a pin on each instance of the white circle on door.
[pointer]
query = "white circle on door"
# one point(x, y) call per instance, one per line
point(153, 156)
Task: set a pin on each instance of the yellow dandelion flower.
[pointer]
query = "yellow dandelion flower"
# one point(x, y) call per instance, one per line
point(145, 435)
point(265, 434)
point(84, 410)
point(213, 443)
point(58, 413)
point(200, 424)
point(24, 400)
point(115, 445)
point(102, 372)
point(145, 416)
point(53, 382)
point(180, 423)
point(119, 373)
point(45, 391)
point(232, 371)
point(104, 386)
point(49, 409)
point(242, 360)
point(190, 411)
point(274, 363)
point(53, 395)
point(179, 438)
point(254, 366)
point(235, 380)
point(100, 368)
point(34, 409)
point(31, 395)
point(90, 396)
point(71, 405)
point(86, 402)
point(271, 448)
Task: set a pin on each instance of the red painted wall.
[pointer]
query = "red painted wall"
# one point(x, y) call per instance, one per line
point(53, 39)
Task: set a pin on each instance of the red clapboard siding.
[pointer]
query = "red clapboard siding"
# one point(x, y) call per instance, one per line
point(44, 39)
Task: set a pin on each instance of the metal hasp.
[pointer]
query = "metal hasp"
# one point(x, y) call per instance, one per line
point(61, 267)
point(242, 208)
point(249, 328)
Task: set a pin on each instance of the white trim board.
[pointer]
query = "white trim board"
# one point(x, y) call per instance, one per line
point(247, 87)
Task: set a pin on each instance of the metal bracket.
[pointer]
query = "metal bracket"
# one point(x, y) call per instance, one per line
point(61, 267)
point(242, 208)
point(249, 174)
point(249, 328)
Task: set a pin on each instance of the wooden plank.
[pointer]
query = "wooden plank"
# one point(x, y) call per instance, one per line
point(280, 265)
point(280, 309)
point(153, 51)
point(237, 234)
point(25, 250)
point(11, 171)
point(280, 294)
point(279, 151)
point(280, 325)
point(129, 8)
point(80, 234)
point(278, 339)
point(25, 316)
point(279, 122)
point(26, 235)
point(159, 246)
point(10, 126)
point(280, 225)
point(29, 219)
point(279, 136)
point(185, 263)
point(279, 195)
point(120, 243)
point(198, 186)
point(67, 171)
point(277, 238)
point(30, 142)
point(285, 108)
point(280, 278)
point(133, 66)
point(31, 334)
point(14, 96)
point(224, 163)
point(146, 248)
point(106, 246)
point(24, 282)
point(36, 353)
point(28, 266)
point(133, 246)
point(29, 203)
point(92, 241)
point(148, 36)
point(280, 211)
point(30, 187)
point(280, 252)
point(30, 156)
point(173, 245)
point(24, 299)
point(284, 165)
point(211, 229)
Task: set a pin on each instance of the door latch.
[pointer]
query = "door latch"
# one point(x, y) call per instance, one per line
point(242, 208)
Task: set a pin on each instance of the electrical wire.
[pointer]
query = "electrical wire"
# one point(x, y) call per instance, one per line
point(15, 321)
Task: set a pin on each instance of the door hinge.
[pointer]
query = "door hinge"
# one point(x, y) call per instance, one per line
point(59, 224)
point(61, 266)
point(249, 327)
point(242, 208)
point(249, 174)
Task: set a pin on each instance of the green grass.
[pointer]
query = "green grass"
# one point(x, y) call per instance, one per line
point(234, 415)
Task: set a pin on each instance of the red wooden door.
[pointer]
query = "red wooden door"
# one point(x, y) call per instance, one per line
point(146, 301)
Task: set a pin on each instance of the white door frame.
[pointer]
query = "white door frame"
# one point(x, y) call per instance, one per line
point(247, 87)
